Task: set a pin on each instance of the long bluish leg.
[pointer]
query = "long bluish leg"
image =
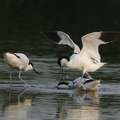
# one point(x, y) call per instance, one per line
point(81, 82)
point(10, 84)
point(21, 93)
point(89, 76)
point(10, 76)
point(21, 78)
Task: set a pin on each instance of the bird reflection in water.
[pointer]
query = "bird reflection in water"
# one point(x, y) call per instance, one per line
point(87, 108)
point(17, 106)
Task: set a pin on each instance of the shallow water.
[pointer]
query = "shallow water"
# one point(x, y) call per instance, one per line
point(47, 102)
point(43, 101)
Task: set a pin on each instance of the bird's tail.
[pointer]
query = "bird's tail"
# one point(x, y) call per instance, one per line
point(102, 64)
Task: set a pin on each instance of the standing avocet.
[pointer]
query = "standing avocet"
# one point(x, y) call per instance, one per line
point(88, 59)
point(18, 61)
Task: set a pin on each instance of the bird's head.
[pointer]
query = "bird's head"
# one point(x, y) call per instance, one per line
point(63, 60)
point(31, 67)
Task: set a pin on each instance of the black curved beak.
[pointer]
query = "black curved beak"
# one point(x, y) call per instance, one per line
point(60, 73)
point(36, 71)
point(61, 68)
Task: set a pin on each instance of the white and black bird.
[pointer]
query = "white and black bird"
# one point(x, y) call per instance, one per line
point(88, 58)
point(18, 61)
point(86, 84)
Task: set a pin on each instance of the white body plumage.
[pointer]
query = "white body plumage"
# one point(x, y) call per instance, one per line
point(18, 61)
point(88, 58)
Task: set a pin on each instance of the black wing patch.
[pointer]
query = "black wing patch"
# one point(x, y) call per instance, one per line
point(16, 55)
point(109, 36)
point(87, 81)
point(52, 35)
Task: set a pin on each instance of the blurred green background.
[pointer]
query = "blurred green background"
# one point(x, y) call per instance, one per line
point(23, 17)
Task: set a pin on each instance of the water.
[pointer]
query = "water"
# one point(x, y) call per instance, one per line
point(20, 26)
point(42, 101)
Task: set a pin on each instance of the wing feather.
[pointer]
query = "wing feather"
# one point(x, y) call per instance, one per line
point(61, 38)
point(91, 42)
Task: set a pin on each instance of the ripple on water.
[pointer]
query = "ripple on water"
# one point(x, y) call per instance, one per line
point(103, 88)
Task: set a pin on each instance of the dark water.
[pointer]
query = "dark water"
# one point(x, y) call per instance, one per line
point(20, 25)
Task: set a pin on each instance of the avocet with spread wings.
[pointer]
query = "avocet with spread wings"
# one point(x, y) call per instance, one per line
point(88, 58)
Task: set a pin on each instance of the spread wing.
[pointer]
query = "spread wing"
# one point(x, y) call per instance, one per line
point(61, 38)
point(91, 42)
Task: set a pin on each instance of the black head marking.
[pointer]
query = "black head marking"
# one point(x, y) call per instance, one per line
point(62, 83)
point(60, 58)
point(52, 35)
point(33, 67)
point(31, 64)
